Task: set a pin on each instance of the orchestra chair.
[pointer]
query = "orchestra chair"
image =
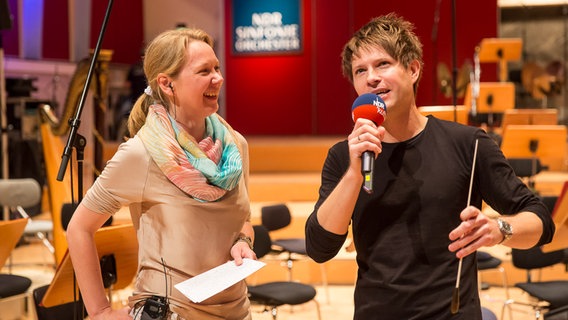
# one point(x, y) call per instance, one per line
point(487, 262)
point(276, 217)
point(12, 287)
point(17, 194)
point(458, 114)
point(547, 295)
point(274, 294)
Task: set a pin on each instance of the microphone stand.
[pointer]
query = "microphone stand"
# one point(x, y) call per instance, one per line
point(76, 121)
point(533, 147)
point(4, 129)
point(435, 51)
point(455, 305)
point(454, 63)
point(81, 142)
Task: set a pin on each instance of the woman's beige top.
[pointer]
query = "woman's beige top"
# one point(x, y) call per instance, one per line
point(190, 236)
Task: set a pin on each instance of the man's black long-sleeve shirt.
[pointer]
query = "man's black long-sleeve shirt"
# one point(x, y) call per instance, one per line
point(400, 231)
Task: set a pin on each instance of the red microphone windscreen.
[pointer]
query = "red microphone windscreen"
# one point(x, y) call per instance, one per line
point(369, 106)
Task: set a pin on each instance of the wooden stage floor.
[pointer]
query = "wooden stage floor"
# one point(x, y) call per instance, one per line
point(33, 260)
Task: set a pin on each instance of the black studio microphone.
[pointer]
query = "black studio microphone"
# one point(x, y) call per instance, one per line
point(369, 106)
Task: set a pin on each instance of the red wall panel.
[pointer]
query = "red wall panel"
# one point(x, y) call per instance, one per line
point(275, 100)
point(335, 94)
point(55, 38)
point(124, 33)
point(10, 42)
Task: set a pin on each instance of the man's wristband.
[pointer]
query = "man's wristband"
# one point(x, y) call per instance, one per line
point(244, 238)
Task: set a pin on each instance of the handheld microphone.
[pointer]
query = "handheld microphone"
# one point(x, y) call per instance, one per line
point(369, 106)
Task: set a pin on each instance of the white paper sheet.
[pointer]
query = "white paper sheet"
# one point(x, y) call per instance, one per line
point(211, 282)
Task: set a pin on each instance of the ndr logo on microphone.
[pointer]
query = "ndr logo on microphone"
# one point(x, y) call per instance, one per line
point(381, 108)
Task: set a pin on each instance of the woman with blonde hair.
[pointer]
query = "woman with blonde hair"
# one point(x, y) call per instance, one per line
point(183, 175)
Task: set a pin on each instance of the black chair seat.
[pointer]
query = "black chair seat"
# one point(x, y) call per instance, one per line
point(486, 261)
point(276, 293)
point(557, 314)
point(281, 292)
point(294, 245)
point(11, 285)
point(553, 292)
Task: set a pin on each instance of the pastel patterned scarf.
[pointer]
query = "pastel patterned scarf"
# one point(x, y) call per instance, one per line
point(204, 170)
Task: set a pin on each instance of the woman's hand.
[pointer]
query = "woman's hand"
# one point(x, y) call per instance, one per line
point(241, 250)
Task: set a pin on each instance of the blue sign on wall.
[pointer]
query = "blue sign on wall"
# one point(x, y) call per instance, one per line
point(267, 26)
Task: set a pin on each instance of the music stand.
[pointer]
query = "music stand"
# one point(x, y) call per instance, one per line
point(119, 241)
point(560, 218)
point(494, 97)
point(501, 50)
point(530, 117)
point(551, 140)
point(5, 24)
